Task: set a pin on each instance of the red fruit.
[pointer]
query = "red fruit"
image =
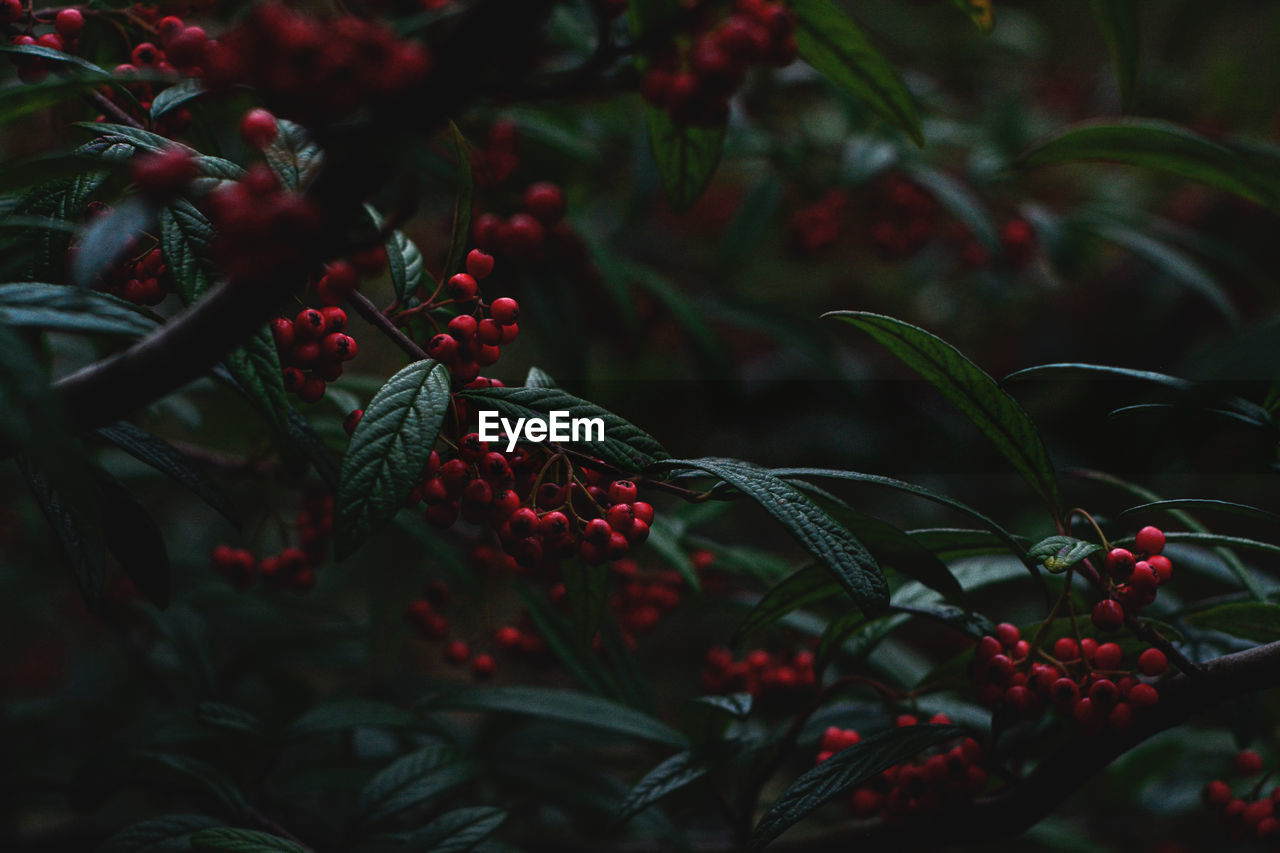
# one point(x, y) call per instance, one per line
point(351, 421)
point(621, 517)
point(489, 333)
point(69, 23)
point(523, 234)
point(53, 41)
point(463, 287)
point(145, 53)
point(1120, 563)
point(463, 327)
point(479, 264)
point(1108, 656)
point(165, 174)
point(508, 637)
point(258, 128)
point(1150, 540)
point(554, 524)
point(866, 802)
point(1007, 634)
point(312, 391)
point(341, 278)
point(1143, 696)
point(1152, 662)
point(1066, 649)
point(1161, 566)
point(10, 11)
point(168, 27)
point(1143, 579)
point(338, 347)
point(545, 201)
point(1064, 693)
point(504, 310)
point(335, 319)
point(1121, 717)
point(597, 531)
point(457, 652)
point(1248, 763)
point(1108, 615)
point(443, 348)
point(293, 379)
point(282, 332)
point(187, 48)
point(1104, 693)
point(1085, 713)
point(305, 354)
point(309, 325)
point(483, 667)
point(988, 647)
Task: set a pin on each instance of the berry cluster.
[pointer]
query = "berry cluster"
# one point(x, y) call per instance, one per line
point(315, 71)
point(694, 83)
point(472, 340)
point(294, 567)
point(65, 36)
point(424, 614)
point(818, 226)
point(141, 277)
point(499, 158)
point(908, 219)
point(921, 788)
point(1132, 578)
point(314, 344)
point(775, 678)
point(523, 235)
point(1086, 681)
point(1255, 814)
point(644, 598)
point(263, 231)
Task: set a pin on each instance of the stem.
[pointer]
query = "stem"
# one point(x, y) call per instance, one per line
point(366, 309)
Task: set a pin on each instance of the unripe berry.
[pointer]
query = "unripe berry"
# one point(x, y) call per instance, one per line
point(1150, 540)
point(1108, 615)
point(479, 264)
point(258, 128)
point(504, 310)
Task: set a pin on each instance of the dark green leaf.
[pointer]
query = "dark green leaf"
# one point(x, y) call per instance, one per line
point(292, 156)
point(687, 156)
point(751, 223)
point(463, 201)
point(453, 832)
point(952, 543)
point(184, 769)
point(185, 237)
point(256, 368)
point(230, 719)
point(818, 532)
point(838, 48)
point(1059, 553)
point(22, 99)
point(666, 544)
point(168, 834)
point(60, 308)
point(566, 706)
point(388, 451)
point(168, 460)
point(303, 437)
point(972, 391)
point(706, 718)
point(134, 539)
point(958, 201)
point(1119, 22)
point(676, 772)
point(974, 624)
point(106, 238)
point(72, 509)
point(405, 263)
point(557, 632)
point(837, 631)
point(586, 589)
point(114, 135)
point(1159, 145)
point(1252, 620)
point(410, 781)
point(844, 770)
point(228, 840)
point(625, 445)
point(1208, 539)
point(538, 378)
point(180, 93)
point(349, 714)
point(894, 548)
point(1201, 503)
point(807, 586)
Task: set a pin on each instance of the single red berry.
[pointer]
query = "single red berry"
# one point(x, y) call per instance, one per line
point(1120, 563)
point(258, 128)
point(309, 325)
point(479, 264)
point(1162, 567)
point(1108, 656)
point(489, 333)
point(554, 524)
point(463, 327)
point(457, 652)
point(1108, 615)
point(1152, 662)
point(483, 667)
point(504, 310)
point(187, 48)
point(545, 201)
point(168, 27)
point(335, 319)
point(351, 421)
point(1008, 634)
point(463, 287)
point(1249, 763)
point(69, 23)
point(165, 174)
point(1150, 540)
point(341, 278)
point(1066, 649)
point(282, 332)
point(293, 379)
point(312, 391)
point(508, 638)
point(1142, 695)
point(1121, 717)
point(443, 348)
point(597, 531)
point(622, 491)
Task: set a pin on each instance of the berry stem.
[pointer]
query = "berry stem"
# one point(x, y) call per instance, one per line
point(366, 309)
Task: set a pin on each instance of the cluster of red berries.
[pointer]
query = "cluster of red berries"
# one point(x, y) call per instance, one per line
point(141, 277)
point(263, 231)
point(1132, 578)
point(644, 597)
point(294, 567)
point(314, 344)
point(65, 35)
point(773, 678)
point(817, 226)
point(499, 158)
point(1257, 813)
point(907, 219)
point(1086, 681)
point(694, 84)
point(919, 789)
point(315, 71)
point(523, 234)
point(472, 340)
point(424, 614)
point(538, 520)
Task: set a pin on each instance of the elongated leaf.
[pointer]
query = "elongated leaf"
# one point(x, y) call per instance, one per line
point(952, 543)
point(1201, 503)
point(837, 631)
point(586, 588)
point(106, 238)
point(405, 263)
point(135, 540)
point(177, 95)
point(1175, 264)
point(229, 718)
point(844, 770)
point(820, 534)
point(192, 771)
point(1209, 539)
point(1119, 22)
point(959, 202)
point(1252, 620)
point(839, 49)
point(556, 630)
point(972, 391)
point(974, 624)
point(463, 202)
point(228, 840)
point(453, 832)
point(566, 706)
point(59, 308)
point(71, 507)
point(686, 155)
point(1159, 145)
point(678, 771)
point(303, 437)
point(168, 834)
point(807, 586)
point(256, 368)
point(348, 714)
point(410, 781)
point(665, 542)
point(625, 445)
point(168, 460)
point(894, 548)
point(185, 237)
point(981, 12)
point(113, 135)
point(388, 451)
point(1059, 553)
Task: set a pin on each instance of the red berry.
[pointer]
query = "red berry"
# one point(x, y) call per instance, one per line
point(163, 175)
point(545, 201)
point(1150, 540)
point(483, 667)
point(457, 652)
point(1066, 649)
point(479, 264)
point(69, 23)
point(1143, 695)
point(622, 492)
point(309, 325)
point(443, 348)
point(504, 310)
point(463, 327)
point(1108, 615)
point(282, 332)
point(1161, 566)
point(1008, 634)
point(341, 278)
point(351, 421)
point(1120, 563)
point(258, 128)
point(1248, 763)
point(1152, 662)
point(335, 319)
point(1108, 656)
point(187, 48)
point(463, 287)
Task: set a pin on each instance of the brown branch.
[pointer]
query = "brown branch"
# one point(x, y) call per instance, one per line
point(366, 309)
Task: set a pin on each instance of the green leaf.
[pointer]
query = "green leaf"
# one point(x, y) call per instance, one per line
point(1158, 145)
point(807, 586)
point(135, 540)
point(818, 532)
point(168, 460)
point(349, 714)
point(565, 706)
point(840, 50)
point(678, 771)
point(972, 391)
point(22, 99)
point(1201, 503)
point(461, 234)
point(1059, 553)
point(303, 438)
point(974, 624)
point(981, 12)
point(844, 770)
point(168, 834)
point(59, 308)
point(388, 451)
point(229, 718)
point(228, 840)
point(586, 588)
point(953, 543)
point(1208, 539)
point(1253, 620)
point(114, 136)
point(292, 155)
point(538, 378)
point(187, 770)
point(687, 156)
point(959, 202)
point(665, 542)
point(405, 263)
point(894, 548)
point(185, 237)
point(453, 832)
point(625, 445)
point(833, 637)
point(1119, 22)
point(71, 507)
point(411, 780)
point(180, 93)
point(557, 632)
point(256, 368)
